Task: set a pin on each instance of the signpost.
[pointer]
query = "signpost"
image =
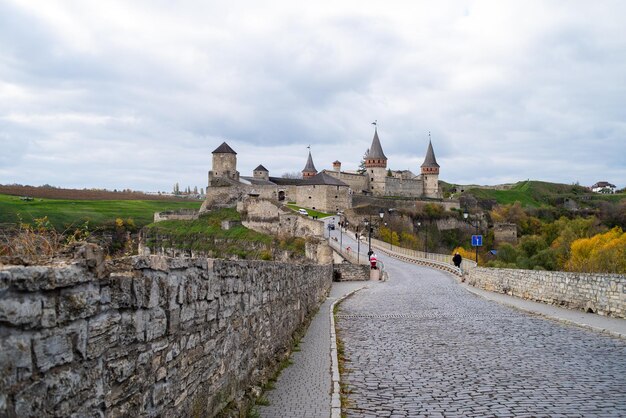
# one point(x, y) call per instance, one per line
point(477, 241)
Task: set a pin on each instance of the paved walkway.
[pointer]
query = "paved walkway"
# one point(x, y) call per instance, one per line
point(421, 345)
point(304, 388)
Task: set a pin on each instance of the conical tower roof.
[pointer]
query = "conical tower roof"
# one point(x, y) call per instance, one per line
point(224, 149)
point(309, 167)
point(376, 150)
point(261, 168)
point(430, 160)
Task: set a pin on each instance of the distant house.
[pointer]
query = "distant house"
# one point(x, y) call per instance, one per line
point(603, 187)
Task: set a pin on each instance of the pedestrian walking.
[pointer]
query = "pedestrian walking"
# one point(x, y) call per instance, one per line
point(373, 261)
point(457, 259)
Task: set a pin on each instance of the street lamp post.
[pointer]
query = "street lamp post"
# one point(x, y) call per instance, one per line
point(390, 229)
point(358, 244)
point(468, 220)
point(370, 228)
point(418, 224)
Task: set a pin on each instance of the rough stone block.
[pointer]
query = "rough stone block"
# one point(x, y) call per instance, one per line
point(133, 327)
point(121, 290)
point(187, 313)
point(52, 351)
point(103, 333)
point(140, 293)
point(173, 323)
point(21, 309)
point(153, 296)
point(141, 262)
point(156, 325)
point(69, 276)
point(30, 278)
point(121, 369)
point(78, 302)
point(173, 283)
point(15, 360)
point(160, 392)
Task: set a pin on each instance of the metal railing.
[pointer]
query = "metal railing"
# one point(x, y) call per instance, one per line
point(443, 260)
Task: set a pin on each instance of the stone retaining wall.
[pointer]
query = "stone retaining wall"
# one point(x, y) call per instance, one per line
point(346, 272)
point(156, 337)
point(604, 294)
point(178, 215)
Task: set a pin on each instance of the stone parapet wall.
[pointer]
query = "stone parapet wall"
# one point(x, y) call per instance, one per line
point(604, 294)
point(346, 272)
point(178, 215)
point(156, 337)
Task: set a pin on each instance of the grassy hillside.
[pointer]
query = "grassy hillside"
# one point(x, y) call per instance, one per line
point(65, 213)
point(206, 235)
point(535, 193)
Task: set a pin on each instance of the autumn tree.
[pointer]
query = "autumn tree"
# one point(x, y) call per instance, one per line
point(602, 253)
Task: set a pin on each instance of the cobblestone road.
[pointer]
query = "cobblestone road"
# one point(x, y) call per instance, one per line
point(420, 345)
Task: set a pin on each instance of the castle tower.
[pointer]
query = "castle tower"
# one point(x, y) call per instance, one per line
point(309, 169)
point(337, 166)
point(224, 163)
point(261, 173)
point(430, 172)
point(376, 166)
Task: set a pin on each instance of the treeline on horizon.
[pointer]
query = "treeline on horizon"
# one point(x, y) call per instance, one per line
point(47, 191)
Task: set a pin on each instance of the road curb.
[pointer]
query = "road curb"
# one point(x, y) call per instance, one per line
point(335, 403)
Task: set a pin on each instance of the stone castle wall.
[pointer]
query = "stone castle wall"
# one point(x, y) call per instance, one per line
point(324, 198)
point(266, 217)
point(401, 187)
point(178, 215)
point(505, 232)
point(157, 337)
point(220, 197)
point(357, 182)
point(604, 294)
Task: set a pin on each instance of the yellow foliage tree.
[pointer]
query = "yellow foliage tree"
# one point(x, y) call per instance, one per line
point(388, 236)
point(468, 254)
point(602, 253)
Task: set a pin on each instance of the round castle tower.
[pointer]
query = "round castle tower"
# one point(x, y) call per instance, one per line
point(376, 167)
point(224, 163)
point(430, 173)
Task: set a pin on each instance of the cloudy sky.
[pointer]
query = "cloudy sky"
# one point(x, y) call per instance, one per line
point(136, 94)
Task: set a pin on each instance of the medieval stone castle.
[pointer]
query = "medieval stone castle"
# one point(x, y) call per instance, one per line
point(326, 191)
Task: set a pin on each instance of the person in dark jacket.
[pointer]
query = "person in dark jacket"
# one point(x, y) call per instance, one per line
point(457, 259)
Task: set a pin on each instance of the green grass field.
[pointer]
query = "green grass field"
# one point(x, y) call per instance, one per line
point(534, 193)
point(66, 213)
point(311, 212)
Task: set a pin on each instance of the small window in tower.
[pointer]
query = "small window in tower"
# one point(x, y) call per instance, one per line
point(335, 197)
point(309, 197)
point(372, 179)
point(372, 187)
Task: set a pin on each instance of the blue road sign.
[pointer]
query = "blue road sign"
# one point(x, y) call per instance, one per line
point(477, 240)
